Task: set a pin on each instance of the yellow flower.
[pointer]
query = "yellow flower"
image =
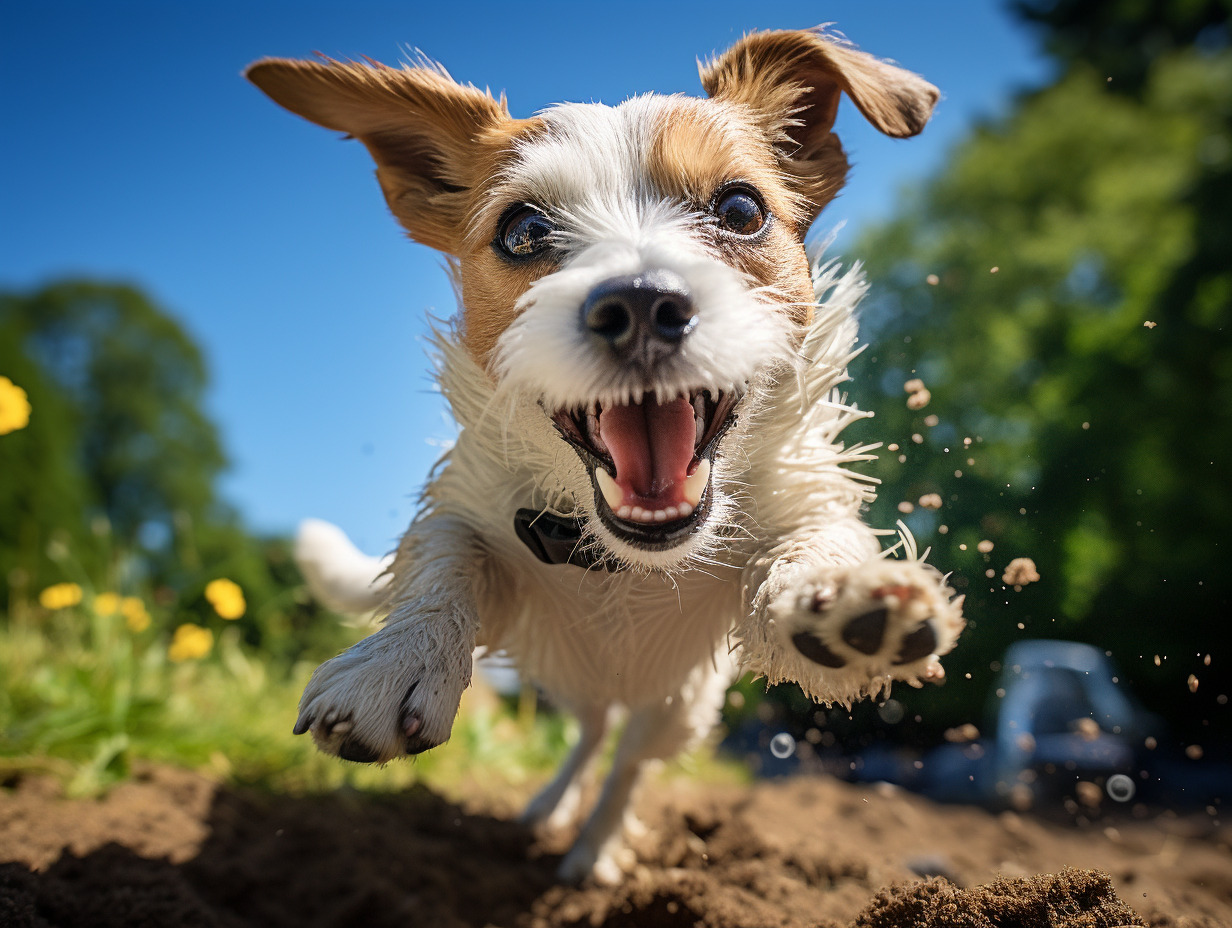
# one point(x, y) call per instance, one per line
point(14, 407)
point(60, 596)
point(135, 615)
point(190, 642)
point(226, 597)
point(107, 603)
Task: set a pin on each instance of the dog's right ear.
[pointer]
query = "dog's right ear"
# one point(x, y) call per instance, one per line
point(421, 128)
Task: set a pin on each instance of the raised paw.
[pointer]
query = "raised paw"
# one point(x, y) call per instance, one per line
point(381, 700)
point(868, 625)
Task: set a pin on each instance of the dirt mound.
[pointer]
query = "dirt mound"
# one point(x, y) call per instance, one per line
point(175, 849)
point(1069, 899)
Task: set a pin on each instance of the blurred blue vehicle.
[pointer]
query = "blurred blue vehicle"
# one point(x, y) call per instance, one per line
point(1059, 717)
point(1063, 718)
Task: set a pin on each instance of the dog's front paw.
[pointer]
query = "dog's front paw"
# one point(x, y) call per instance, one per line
point(865, 626)
point(383, 699)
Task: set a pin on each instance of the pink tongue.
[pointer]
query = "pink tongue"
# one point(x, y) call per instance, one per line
point(652, 446)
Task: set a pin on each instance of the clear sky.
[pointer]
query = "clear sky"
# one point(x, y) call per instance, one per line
point(133, 150)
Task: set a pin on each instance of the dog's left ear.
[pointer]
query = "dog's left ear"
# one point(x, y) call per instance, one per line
point(790, 82)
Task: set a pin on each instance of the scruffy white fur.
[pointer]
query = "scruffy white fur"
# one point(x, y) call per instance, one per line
point(780, 577)
point(667, 644)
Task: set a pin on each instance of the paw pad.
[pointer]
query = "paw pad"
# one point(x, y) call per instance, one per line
point(917, 644)
point(816, 651)
point(866, 632)
point(357, 751)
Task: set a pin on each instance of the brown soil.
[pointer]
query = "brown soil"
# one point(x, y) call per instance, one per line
point(174, 849)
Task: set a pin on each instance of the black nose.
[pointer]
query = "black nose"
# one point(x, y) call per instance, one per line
point(643, 316)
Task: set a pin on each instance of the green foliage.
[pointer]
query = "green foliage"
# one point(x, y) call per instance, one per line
point(1123, 38)
point(118, 449)
point(1063, 289)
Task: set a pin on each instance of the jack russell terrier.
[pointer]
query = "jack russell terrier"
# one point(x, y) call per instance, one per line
point(648, 494)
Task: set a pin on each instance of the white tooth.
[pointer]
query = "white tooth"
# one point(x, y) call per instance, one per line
point(660, 515)
point(636, 514)
point(672, 512)
point(614, 495)
point(624, 512)
point(685, 510)
point(694, 486)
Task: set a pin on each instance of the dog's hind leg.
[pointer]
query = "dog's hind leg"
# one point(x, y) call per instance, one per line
point(556, 805)
point(658, 731)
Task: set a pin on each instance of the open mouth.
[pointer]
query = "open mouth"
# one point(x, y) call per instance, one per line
point(650, 462)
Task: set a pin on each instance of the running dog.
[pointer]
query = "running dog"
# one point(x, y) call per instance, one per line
point(648, 493)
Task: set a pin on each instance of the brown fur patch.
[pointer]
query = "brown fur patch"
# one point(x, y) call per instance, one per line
point(702, 145)
point(490, 289)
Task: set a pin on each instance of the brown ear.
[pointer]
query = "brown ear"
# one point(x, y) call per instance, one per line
point(420, 126)
point(791, 81)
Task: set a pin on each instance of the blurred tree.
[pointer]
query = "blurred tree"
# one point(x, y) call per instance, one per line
point(118, 450)
point(1123, 37)
point(1064, 289)
point(114, 477)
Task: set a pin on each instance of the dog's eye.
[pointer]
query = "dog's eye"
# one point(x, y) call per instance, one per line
point(740, 211)
point(524, 233)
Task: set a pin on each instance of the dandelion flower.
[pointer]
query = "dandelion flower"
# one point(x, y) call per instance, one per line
point(14, 407)
point(190, 642)
point(135, 615)
point(60, 596)
point(107, 603)
point(226, 597)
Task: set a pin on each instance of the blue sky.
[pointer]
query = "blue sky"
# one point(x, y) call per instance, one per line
point(134, 151)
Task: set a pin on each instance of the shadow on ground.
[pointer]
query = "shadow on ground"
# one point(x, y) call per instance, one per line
point(175, 849)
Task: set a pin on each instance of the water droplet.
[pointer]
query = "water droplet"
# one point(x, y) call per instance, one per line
point(782, 745)
point(1120, 787)
point(891, 711)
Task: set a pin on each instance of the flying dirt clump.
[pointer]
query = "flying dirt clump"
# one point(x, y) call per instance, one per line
point(1020, 572)
point(917, 394)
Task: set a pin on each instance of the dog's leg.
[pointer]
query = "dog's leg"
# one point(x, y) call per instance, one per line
point(397, 691)
point(831, 613)
point(556, 805)
point(653, 732)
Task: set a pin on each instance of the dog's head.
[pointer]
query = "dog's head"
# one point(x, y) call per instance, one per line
point(636, 269)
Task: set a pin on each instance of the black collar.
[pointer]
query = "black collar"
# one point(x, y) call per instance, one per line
point(558, 540)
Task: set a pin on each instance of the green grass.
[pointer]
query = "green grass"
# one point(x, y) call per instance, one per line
point(87, 699)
